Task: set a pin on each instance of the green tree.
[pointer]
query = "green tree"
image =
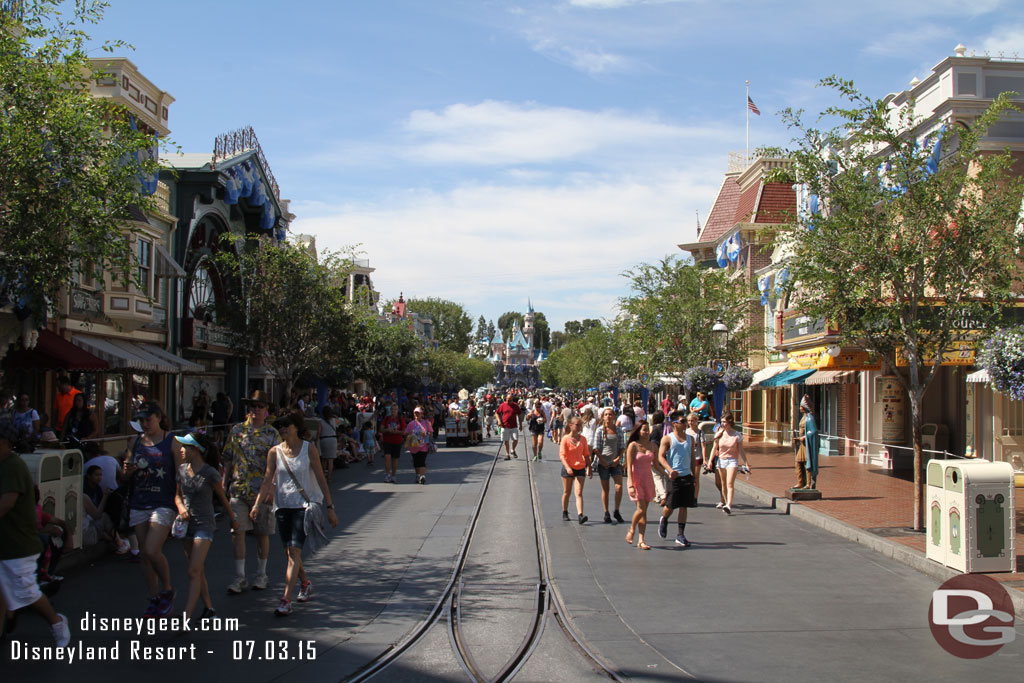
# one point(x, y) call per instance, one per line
point(491, 329)
point(452, 325)
point(670, 312)
point(576, 328)
point(287, 310)
point(481, 329)
point(382, 354)
point(905, 252)
point(557, 340)
point(505, 322)
point(541, 331)
point(583, 362)
point(68, 160)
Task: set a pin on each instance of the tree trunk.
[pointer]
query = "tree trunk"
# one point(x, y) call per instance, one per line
point(917, 419)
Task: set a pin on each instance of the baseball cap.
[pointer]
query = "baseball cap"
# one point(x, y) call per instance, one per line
point(147, 409)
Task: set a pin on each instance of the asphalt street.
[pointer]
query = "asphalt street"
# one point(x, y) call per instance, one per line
point(759, 597)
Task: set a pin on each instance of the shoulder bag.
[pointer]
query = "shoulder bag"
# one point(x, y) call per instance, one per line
point(315, 519)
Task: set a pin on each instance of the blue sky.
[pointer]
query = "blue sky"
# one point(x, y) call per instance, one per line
point(487, 151)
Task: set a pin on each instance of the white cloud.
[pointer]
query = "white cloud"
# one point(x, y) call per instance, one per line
point(490, 246)
point(593, 62)
point(912, 41)
point(502, 133)
point(1008, 40)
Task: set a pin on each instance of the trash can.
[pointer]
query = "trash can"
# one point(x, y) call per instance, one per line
point(46, 473)
point(451, 438)
point(71, 484)
point(707, 428)
point(971, 524)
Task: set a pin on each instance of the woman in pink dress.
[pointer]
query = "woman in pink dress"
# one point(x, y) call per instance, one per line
point(639, 456)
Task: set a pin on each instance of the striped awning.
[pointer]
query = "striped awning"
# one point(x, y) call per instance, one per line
point(120, 353)
point(832, 377)
point(979, 377)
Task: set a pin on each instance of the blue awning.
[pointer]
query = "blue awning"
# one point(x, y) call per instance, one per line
point(787, 377)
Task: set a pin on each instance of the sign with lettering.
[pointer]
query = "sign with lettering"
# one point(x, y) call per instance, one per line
point(86, 303)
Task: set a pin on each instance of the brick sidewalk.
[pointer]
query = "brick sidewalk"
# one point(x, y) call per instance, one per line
point(864, 496)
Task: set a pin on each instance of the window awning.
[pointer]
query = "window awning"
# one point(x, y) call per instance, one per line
point(53, 352)
point(979, 377)
point(123, 354)
point(182, 364)
point(765, 373)
point(832, 377)
point(165, 265)
point(787, 377)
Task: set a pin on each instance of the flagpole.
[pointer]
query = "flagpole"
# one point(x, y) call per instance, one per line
point(746, 107)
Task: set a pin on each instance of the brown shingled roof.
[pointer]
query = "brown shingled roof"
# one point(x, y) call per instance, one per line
point(746, 205)
point(777, 205)
point(721, 218)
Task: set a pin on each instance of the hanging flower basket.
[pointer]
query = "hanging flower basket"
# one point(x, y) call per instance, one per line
point(1003, 358)
point(699, 378)
point(737, 378)
point(632, 385)
point(657, 385)
point(604, 387)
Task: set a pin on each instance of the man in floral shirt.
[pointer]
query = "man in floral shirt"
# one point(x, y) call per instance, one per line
point(245, 461)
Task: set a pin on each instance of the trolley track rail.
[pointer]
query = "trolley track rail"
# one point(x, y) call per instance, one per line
point(449, 608)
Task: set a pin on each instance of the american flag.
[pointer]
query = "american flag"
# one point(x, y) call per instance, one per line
point(752, 107)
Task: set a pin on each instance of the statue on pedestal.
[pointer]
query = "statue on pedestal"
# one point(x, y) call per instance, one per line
point(807, 448)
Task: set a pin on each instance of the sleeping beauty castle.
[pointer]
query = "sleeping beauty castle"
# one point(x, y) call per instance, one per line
point(516, 360)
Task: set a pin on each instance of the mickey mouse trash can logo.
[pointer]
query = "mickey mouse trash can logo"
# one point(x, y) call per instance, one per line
point(971, 616)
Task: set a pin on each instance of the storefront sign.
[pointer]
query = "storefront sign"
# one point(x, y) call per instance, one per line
point(818, 358)
point(795, 327)
point(962, 352)
point(86, 304)
point(890, 394)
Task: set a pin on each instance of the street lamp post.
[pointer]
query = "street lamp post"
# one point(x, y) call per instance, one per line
point(720, 338)
point(615, 380)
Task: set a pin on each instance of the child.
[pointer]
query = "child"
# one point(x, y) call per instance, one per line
point(198, 479)
point(369, 438)
point(46, 432)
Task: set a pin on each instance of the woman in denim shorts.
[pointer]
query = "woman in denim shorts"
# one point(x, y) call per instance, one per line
point(198, 479)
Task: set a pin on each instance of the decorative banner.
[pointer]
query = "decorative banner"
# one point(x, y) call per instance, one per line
point(893, 399)
point(764, 285)
point(732, 249)
point(720, 256)
point(780, 281)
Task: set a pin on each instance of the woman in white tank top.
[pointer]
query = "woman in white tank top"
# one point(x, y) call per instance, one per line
point(295, 455)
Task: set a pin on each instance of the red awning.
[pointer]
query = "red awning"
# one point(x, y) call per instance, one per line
point(53, 352)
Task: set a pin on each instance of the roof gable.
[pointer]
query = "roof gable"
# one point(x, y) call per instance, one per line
point(777, 204)
point(746, 204)
point(723, 211)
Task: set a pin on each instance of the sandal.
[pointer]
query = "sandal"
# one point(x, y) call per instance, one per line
point(629, 537)
point(643, 546)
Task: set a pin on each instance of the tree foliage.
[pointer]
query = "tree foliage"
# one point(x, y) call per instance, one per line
point(288, 310)
point(913, 244)
point(383, 354)
point(454, 371)
point(576, 328)
point(68, 159)
point(453, 328)
point(670, 312)
point(583, 362)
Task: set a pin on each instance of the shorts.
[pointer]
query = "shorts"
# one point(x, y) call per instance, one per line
point(419, 460)
point(726, 463)
point(162, 516)
point(607, 472)
point(537, 431)
point(509, 434)
point(261, 527)
point(393, 450)
point(291, 525)
point(578, 474)
point(681, 493)
point(558, 425)
point(18, 582)
point(200, 531)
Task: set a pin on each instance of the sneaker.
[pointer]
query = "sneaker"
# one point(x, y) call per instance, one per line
point(663, 527)
point(728, 510)
point(151, 609)
point(61, 632)
point(238, 585)
point(123, 547)
point(515, 455)
point(540, 456)
point(422, 479)
point(388, 479)
point(305, 590)
point(208, 613)
point(681, 540)
point(720, 506)
point(284, 608)
point(509, 457)
point(565, 515)
point(618, 517)
point(166, 603)
point(260, 582)
point(583, 519)
point(607, 518)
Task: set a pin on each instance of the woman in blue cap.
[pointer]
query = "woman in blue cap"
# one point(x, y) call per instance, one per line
point(199, 479)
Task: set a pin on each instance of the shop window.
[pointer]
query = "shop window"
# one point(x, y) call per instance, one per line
point(756, 406)
point(142, 390)
point(1013, 417)
point(113, 405)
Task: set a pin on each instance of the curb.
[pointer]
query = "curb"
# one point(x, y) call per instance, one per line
point(891, 549)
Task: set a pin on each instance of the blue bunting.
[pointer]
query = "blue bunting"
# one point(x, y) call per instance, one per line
point(733, 247)
point(232, 188)
point(722, 259)
point(764, 285)
point(268, 218)
point(780, 281)
point(932, 165)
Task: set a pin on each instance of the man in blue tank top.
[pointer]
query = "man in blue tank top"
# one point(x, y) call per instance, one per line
point(676, 460)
